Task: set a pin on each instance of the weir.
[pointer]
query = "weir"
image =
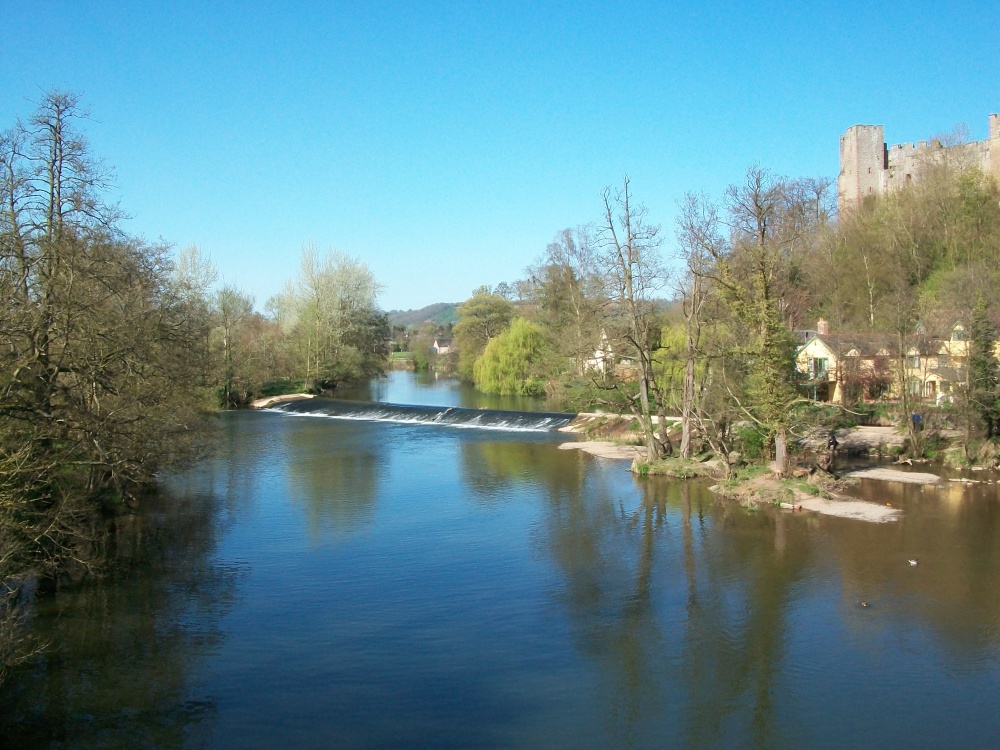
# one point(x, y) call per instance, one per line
point(450, 416)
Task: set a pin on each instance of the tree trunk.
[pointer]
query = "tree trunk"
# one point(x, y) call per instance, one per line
point(688, 403)
point(647, 422)
point(780, 464)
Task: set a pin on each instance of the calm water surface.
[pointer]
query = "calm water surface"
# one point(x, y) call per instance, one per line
point(326, 583)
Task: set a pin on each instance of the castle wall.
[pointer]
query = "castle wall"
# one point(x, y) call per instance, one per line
point(862, 161)
point(869, 168)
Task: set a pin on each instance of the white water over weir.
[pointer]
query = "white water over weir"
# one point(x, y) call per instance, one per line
point(453, 416)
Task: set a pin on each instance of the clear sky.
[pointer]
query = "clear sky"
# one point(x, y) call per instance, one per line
point(445, 143)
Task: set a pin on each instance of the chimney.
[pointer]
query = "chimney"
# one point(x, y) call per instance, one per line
point(822, 327)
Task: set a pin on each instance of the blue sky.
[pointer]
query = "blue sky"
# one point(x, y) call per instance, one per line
point(445, 144)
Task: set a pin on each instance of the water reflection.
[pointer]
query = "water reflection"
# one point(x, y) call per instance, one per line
point(429, 389)
point(952, 532)
point(124, 653)
point(491, 467)
point(683, 604)
point(333, 473)
point(505, 593)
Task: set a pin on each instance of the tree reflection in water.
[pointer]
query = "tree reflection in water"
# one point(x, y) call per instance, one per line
point(686, 625)
point(334, 474)
point(107, 676)
point(509, 593)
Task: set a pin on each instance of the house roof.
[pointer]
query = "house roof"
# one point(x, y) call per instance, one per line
point(843, 345)
point(951, 374)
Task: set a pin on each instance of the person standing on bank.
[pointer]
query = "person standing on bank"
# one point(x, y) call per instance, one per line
point(831, 448)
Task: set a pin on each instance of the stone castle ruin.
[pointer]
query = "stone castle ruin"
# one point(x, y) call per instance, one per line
point(868, 167)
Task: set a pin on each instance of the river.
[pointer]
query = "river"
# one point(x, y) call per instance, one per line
point(344, 583)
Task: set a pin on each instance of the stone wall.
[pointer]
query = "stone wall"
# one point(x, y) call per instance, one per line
point(870, 168)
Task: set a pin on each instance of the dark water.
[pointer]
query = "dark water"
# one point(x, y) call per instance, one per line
point(329, 583)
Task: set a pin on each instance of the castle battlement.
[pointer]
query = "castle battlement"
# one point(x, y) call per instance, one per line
point(869, 167)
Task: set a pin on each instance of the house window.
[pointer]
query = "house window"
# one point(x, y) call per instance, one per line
point(944, 360)
point(819, 367)
point(959, 334)
point(915, 363)
point(915, 387)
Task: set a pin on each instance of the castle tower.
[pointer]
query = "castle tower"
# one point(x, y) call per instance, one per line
point(863, 161)
point(994, 148)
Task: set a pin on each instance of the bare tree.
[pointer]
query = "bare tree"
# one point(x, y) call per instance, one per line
point(567, 294)
point(233, 308)
point(629, 251)
point(700, 241)
point(95, 374)
point(750, 272)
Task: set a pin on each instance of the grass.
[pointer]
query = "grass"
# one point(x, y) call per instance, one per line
point(808, 487)
point(746, 474)
point(679, 468)
point(281, 387)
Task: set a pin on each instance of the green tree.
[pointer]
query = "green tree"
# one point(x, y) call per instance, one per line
point(512, 361)
point(984, 372)
point(699, 241)
point(566, 293)
point(95, 363)
point(480, 318)
point(233, 313)
point(751, 272)
point(336, 332)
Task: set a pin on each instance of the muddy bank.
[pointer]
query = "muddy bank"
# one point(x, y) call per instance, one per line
point(858, 440)
point(606, 449)
point(618, 427)
point(894, 475)
point(263, 403)
point(768, 490)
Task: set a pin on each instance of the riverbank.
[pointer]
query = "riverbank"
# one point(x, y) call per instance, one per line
point(817, 492)
point(264, 403)
point(619, 437)
point(822, 495)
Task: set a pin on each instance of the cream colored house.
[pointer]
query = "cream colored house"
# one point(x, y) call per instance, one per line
point(603, 358)
point(935, 367)
point(830, 365)
point(833, 367)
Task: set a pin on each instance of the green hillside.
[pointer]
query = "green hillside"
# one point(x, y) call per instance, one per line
point(441, 313)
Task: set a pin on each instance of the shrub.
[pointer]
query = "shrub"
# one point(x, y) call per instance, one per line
point(753, 443)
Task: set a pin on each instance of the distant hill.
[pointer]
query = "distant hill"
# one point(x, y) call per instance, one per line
point(441, 313)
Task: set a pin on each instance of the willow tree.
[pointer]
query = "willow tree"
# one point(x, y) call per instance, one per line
point(480, 318)
point(513, 362)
